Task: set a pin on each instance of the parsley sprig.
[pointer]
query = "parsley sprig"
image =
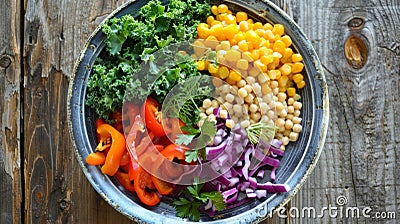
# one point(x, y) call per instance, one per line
point(188, 205)
point(205, 133)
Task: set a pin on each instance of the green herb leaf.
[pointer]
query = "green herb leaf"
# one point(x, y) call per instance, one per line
point(182, 139)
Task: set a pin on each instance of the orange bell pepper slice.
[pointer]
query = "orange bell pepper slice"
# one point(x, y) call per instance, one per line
point(96, 158)
point(116, 151)
point(143, 185)
point(123, 179)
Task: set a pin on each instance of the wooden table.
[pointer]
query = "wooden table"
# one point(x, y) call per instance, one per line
point(41, 181)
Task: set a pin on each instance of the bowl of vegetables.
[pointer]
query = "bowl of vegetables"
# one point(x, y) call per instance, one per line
point(197, 111)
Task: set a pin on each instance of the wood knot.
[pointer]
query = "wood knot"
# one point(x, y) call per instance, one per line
point(5, 61)
point(356, 52)
point(356, 23)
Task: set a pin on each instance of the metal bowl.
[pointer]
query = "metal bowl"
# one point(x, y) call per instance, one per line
point(298, 162)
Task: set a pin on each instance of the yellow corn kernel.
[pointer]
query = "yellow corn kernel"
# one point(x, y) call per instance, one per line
point(254, 71)
point(268, 35)
point(257, 26)
point(255, 53)
point(201, 65)
point(267, 59)
point(298, 78)
point(263, 77)
point(288, 53)
point(217, 82)
point(230, 81)
point(221, 17)
point(301, 84)
point(233, 55)
point(230, 31)
point(264, 43)
point(283, 81)
point(285, 69)
point(230, 19)
point(243, 45)
point(258, 64)
point(260, 32)
point(218, 31)
point(279, 46)
point(277, 56)
point(211, 42)
point(225, 45)
point(297, 67)
point(213, 69)
point(203, 30)
point(215, 22)
point(282, 89)
point(241, 16)
point(223, 72)
point(274, 74)
point(242, 64)
point(214, 10)
point(235, 76)
point(278, 29)
point(287, 40)
point(291, 91)
point(199, 47)
point(210, 19)
point(267, 26)
point(244, 26)
point(229, 12)
point(250, 21)
point(297, 58)
point(251, 36)
point(265, 89)
point(223, 8)
point(247, 56)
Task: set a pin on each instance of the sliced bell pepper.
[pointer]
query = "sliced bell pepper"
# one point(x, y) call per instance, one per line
point(96, 158)
point(143, 184)
point(116, 151)
point(162, 187)
point(123, 179)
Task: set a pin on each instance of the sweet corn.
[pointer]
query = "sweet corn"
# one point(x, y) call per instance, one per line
point(213, 69)
point(297, 58)
point(233, 55)
point(241, 16)
point(291, 91)
point(285, 69)
point(298, 78)
point(287, 40)
point(222, 8)
point(242, 64)
point(201, 65)
point(234, 76)
point(301, 84)
point(214, 10)
point(297, 67)
point(223, 72)
point(279, 46)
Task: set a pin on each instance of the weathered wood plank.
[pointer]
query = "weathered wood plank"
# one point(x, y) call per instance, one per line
point(10, 110)
point(56, 189)
point(359, 158)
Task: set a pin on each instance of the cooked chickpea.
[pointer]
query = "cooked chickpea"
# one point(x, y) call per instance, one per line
point(296, 120)
point(293, 136)
point(207, 103)
point(297, 128)
point(297, 105)
point(288, 124)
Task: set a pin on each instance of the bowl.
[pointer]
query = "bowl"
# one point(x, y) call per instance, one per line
point(297, 164)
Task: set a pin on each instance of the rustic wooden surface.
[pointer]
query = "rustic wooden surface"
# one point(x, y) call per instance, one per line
point(41, 182)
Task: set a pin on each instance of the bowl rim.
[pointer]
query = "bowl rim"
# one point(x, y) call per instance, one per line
point(144, 215)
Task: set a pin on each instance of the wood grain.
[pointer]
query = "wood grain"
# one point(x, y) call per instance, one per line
point(56, 190)
point(359, 160)
point(10, 110)
point(361, 155)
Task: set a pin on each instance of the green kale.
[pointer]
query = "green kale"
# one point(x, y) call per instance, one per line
point(132, 41)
